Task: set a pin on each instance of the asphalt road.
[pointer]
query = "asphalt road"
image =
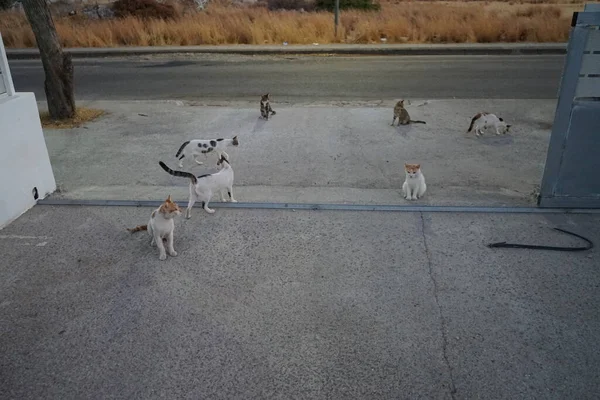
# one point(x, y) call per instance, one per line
point(305, 78)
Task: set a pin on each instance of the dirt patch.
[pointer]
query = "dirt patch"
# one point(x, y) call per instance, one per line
point(82, 116)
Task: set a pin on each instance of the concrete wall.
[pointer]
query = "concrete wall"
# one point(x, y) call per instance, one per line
point(24, 160)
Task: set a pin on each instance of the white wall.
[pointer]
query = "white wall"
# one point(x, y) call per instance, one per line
point(24, 160)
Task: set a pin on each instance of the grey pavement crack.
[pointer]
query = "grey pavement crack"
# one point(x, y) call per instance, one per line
point(443, 325)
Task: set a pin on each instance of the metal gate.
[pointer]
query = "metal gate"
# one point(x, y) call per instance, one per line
point(572, 173)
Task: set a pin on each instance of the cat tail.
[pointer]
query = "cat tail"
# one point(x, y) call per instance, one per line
point(417, 122)
point(475, 118)
point(138, 228)
point(178, 173)
point(181, 148)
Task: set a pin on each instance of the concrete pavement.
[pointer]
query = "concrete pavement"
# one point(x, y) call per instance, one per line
point(309, 153)
point(301, 304)
point(302, 78)
point(320, 305)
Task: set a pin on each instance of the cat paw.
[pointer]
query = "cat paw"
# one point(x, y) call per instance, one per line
point(173, 253)
point(209, 210)
point(233, 200)
point(162, 257)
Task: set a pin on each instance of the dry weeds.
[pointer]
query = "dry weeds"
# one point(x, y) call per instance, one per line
point(406, 22)
point(82, 116)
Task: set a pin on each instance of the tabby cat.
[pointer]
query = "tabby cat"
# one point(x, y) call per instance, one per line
point(402, 115)
point(265, 106)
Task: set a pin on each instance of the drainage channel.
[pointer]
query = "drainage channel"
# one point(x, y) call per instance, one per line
point(329, 207)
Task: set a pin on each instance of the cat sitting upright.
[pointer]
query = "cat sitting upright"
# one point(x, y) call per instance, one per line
point(265, 106)
point(402, 115)
point(204, 186)
point(414, 186)
point(483, 120)
point(194, 148)
point(161, 226)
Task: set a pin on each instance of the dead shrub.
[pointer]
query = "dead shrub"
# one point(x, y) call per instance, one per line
point(144, 9)
point(220, 23)
point(306, 5)
point(539, 12)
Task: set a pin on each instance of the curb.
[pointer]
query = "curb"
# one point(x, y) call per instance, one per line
point(402, 50)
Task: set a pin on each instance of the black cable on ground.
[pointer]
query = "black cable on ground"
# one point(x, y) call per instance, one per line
point(555, 248)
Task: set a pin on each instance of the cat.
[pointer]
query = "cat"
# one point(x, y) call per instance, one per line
point(265, 106)
point(161, 226)
point(402, 115)
point(204, 186)
point(193, 148)
point(414, 186)
point(483, 120)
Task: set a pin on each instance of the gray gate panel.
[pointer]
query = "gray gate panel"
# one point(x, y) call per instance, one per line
point(580, 165)
point(2, 86)
point(568, 86)
point(572, 172)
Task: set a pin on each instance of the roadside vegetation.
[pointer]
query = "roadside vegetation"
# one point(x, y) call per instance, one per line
point(82, 116)
point(148, 23)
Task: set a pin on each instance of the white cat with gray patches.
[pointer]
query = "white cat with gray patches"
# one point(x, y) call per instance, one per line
point(203, 187)
point(192, 149)
point(483, 120)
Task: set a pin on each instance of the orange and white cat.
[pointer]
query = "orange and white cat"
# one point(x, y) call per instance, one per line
point(414, 186)
point(161, 226)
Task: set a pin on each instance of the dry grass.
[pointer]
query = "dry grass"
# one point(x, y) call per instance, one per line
point(408, 22)
point(82, 116)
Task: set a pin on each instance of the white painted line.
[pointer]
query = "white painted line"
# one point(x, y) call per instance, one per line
point(22, 237)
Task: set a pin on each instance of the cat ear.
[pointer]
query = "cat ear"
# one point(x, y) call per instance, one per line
point(169, 199)
point(418, 166)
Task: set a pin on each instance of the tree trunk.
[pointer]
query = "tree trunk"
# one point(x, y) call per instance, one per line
point(58, 66)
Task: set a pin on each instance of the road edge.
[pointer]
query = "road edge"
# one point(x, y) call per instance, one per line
point(392, 49)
